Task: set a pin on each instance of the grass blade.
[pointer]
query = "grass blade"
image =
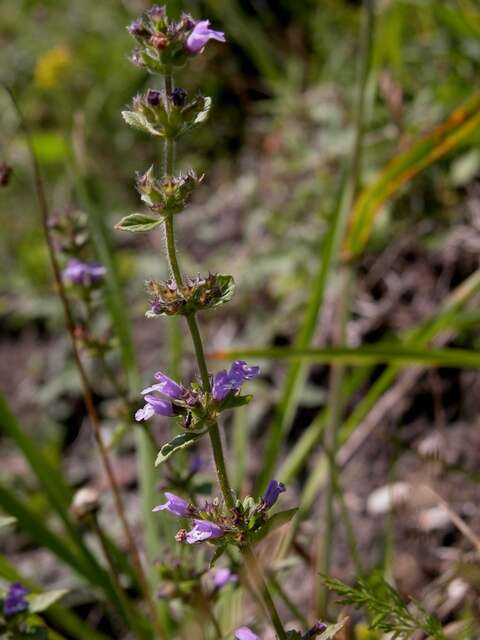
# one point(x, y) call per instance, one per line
point(463, 122)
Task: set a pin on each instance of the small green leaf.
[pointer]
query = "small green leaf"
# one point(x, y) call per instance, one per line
point(276, 521)
point(42, 601)
point(181, 441)
point(233, 401)
point(332, 630)
point(136, 222)
point(219, 551)
point(139, 121)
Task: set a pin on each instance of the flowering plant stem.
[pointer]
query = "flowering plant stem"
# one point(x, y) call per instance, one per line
point(87, 390)
point(213, 431)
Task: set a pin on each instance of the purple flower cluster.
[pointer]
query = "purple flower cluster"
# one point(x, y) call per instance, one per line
point(84, 273)
point(202, 529)
point(200, 35)
point(15, 601)
point(226, 382)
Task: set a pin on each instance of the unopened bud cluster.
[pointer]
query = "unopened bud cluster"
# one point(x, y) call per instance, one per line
point(167, 195)
point(196, 294)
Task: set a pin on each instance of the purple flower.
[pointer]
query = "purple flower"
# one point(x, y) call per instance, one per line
point(154, 406)
point(156, 12)
point(203, 530)
point(83, 273)
point(179, 97)
point(153, 97)
point(200, 35)
point(225, 382)
point(274, 489)
point(222, 577)
point(176, 505)
point(15, 601)
point(244, 633)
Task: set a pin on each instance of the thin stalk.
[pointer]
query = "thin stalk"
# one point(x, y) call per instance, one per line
point(276, 586)
point(87, 391)
point(214, 432)
point(338, 372)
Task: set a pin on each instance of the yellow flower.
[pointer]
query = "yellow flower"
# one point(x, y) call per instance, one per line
point(52, 66)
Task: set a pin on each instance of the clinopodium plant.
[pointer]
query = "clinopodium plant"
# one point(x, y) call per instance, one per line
point(163, 45)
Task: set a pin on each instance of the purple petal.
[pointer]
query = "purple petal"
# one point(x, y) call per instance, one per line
point(239, 368)
point(15, 601)
point(83, 273)
point(160, 407)
point(176, 505)
point(145, 413)
point(200, 35)
point(244, 633)
point(168, 386)
point(203, 530)
point(223, 577)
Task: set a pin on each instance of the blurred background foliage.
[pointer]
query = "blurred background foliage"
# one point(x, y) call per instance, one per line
point(274, 153)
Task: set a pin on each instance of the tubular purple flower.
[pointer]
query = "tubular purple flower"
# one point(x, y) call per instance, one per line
point(222, 577)
point(244, 633)
point(225, 382)
point(83, 273)
point(200, 35)
point(203, 530)
point(274, 489)
point(176, 505)
point(137, 28)
point(155, 406)
point(15, 601)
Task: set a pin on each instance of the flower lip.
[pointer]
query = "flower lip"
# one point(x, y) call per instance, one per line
point(154, 406)
point(203, 530)
point(200, 35)
point(176, 505)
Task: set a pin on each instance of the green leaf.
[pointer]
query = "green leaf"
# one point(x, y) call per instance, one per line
point(275, 522)
point(461, 124)
point(219, 551)
point(181, 441)
point(368, 355)
point(332, 629)
point(139, 121)
point(42, 601)
point(136, 222)
point(231, 402)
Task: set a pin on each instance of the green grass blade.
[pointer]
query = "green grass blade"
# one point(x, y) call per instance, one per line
point(461, 124)
point(404, 356)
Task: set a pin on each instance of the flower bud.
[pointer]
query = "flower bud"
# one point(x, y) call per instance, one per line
point(153, 97)
point(85, 502)
point(159, 41)
point(179, 97)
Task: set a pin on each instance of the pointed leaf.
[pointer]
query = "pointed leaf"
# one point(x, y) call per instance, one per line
point(276, 521)
point(139, 121)
point(332, 630)
point(181, 441)
point(136, 222)
point(6, 521)
point(42, 601)
point(219, 551)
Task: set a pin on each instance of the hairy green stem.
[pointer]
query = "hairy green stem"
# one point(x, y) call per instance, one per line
point(214, 431)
